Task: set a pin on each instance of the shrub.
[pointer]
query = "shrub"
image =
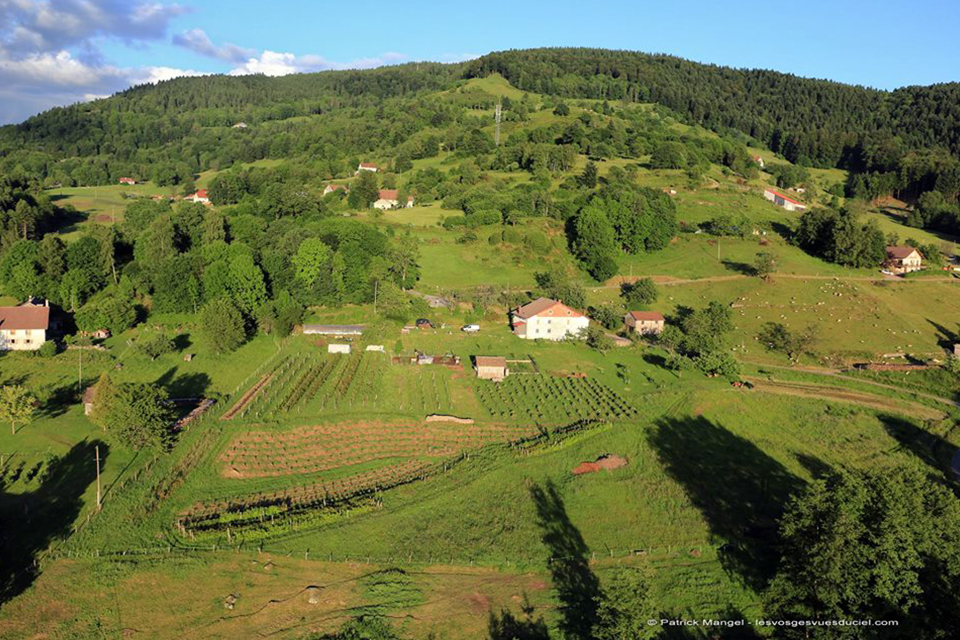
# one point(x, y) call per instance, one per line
point(47, 349)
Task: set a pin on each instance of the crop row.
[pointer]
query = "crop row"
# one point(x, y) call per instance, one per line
point(546, 398)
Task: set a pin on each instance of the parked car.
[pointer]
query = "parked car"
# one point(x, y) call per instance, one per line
point(423, 323)
point(470, 328)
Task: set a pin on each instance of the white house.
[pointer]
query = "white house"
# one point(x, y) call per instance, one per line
point(903, 259)
point(199, 196)
point(240, 125)
point(758, 160)
point(781, 200)
point(23, 328)
point(390, 199)
point(367, 166)
point(645, 323)
point(547, 319)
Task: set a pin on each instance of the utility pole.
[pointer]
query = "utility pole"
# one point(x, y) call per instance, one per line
point(97, 449)
point(496, 137)
point(376, 286)
point(80, 367)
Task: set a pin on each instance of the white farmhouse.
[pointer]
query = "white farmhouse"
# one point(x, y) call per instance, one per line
point(367, 166)
point(781, 200)
point(547, 319)
point(390, 199)
point(23, 328)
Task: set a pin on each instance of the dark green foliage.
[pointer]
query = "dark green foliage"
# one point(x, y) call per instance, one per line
point(839, 236)
point(556, 286)
point(154, 345)
point(879, 545)
point(609, 315)
point(624, 606)
point(222, 326)
point(588, 179)
point(140, 415)
point(364, 627)
point(48, 349)
point(595, 243)
point(110, 309)
point(763, 264)
point(639, 293)
point(776, 336)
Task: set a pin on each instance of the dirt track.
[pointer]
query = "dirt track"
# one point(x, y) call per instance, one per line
point(847, 396)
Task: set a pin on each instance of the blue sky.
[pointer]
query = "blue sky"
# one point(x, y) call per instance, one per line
point(55, 52)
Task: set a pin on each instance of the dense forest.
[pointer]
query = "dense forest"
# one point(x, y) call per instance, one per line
point(902, 143)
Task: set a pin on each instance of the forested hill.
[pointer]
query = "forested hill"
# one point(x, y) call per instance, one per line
point(816, 122)
point(906, 141)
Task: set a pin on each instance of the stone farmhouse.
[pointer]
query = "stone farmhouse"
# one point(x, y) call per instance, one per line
point(646, 323)
point(548, 320)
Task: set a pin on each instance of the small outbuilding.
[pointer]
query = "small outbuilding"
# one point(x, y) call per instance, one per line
point(646, 323)
point(333, 329)
point(491, 368)
point(338, 348)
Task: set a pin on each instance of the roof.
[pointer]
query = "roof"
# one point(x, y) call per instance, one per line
point(787, 198)
point(545, 306)
point(333, 329)
point(26, 317)
point(388, 194)
point(900, 253)
point(336, 186)
point(368, 165)
point(202, 193)
point(647, 315)
point(491, 361)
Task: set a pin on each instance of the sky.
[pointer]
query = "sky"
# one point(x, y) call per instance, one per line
point(58, 52)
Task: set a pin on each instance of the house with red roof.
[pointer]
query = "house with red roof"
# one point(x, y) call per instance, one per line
point(547, 319)
point(390, 199)
point(759, 161)
point(367, 166)
point(781, 200)
point(646, 323)
point(199, 196)
point(330, 188)
point(128, 181)
point(903, 259)
point(24, 328)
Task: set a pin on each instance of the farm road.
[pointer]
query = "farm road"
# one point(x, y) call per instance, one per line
point(838, 373)
point(668, 281)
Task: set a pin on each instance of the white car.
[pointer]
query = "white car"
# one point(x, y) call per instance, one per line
point(470, 328)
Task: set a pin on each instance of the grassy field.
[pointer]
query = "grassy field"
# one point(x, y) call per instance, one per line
point(373, 485)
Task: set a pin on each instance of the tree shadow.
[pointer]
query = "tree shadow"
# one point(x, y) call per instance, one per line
point(576, 585)
point(817, 467)
point(783, 230)
point(60, 400)
point(929, 448)
point(182, 342)
point(32, 521)
point(739, 267)
point(506, 626)
point(739, 489)
point(945, 337)
point(189, 385)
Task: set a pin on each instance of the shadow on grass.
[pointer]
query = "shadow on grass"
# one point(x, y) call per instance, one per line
point(739, 267)
point(506, 626)
point(739, 489)
point(576, 585)
point(945, 337)
point(929, 448)
point(32, 521)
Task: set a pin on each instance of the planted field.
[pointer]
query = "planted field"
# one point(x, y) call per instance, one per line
point(313, 449)
point(546, 399)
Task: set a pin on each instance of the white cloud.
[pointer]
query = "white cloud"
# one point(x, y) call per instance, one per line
point(273, 63)
point(38, 26)
point(196, 40)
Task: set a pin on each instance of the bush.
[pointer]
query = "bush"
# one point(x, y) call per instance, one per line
point(512, 235)
point(48, 349)
point(537, 242)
